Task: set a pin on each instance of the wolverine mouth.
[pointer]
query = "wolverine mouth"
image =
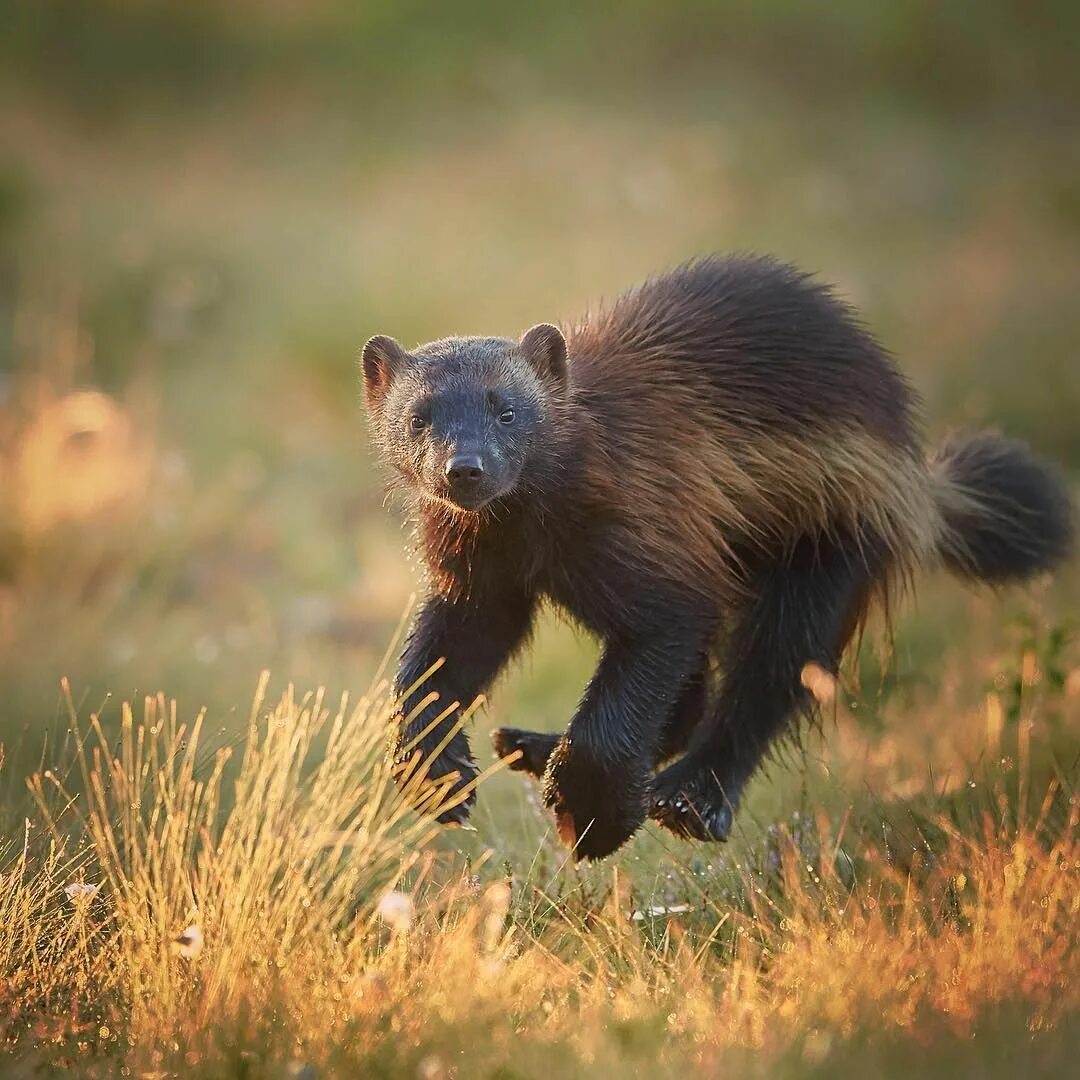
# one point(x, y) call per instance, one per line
point(464, 500)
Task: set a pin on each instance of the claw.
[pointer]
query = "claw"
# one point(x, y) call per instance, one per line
point(693, 813)
point(430, 784)
point(454, 818)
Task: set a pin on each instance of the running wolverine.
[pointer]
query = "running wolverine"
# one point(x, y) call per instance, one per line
point(722, 469)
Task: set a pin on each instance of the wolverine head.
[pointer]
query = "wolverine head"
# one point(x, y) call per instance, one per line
point(458, 418)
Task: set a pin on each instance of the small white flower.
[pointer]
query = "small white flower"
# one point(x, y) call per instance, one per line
point(80, 892)
point(396, 910)
point(657, 911)
point(189, 944)
point(431, 1068)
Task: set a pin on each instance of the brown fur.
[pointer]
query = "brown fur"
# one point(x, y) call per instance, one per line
point(747, 476)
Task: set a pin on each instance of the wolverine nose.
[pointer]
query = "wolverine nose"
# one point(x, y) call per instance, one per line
point(465, 469)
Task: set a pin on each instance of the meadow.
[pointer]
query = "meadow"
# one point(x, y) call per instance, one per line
point(205, 870)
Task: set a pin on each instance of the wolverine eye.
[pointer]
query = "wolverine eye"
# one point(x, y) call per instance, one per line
point(417, 424)
point(506, 416)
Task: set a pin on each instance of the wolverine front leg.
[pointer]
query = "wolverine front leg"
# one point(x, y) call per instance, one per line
point(598, 777)
point(474, 636)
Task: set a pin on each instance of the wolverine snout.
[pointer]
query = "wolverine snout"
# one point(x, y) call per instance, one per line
point(464, 470)
point(467, 480)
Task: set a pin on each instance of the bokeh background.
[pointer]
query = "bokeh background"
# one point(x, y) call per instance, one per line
point(206, 208)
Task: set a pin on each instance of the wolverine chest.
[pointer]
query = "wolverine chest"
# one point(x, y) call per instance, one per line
point(587, 576)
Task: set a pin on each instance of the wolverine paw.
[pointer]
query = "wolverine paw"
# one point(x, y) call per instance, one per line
point(430, 784)
point(598, 804)
point(533, 747)
point(691, 804)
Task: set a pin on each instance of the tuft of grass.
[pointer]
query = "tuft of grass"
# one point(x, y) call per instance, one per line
point(200, 884)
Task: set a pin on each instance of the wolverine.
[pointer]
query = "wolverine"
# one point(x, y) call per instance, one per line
point(717, 475)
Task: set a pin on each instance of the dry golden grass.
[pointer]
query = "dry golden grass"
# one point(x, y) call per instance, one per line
point(285, 914)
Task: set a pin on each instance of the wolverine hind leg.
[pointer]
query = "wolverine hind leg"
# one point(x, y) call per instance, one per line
point(533, 747)
point(536, 746)
point(802, 609)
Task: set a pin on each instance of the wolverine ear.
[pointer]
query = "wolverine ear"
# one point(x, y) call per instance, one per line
point(545, 349)
point(383, 358)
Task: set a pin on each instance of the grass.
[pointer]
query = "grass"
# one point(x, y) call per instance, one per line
point(274, 909)
point(203, 213)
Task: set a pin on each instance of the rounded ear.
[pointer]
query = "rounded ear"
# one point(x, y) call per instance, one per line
point(382, 358)
point(544, 347)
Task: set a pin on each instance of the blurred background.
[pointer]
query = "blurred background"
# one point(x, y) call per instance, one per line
point(206, 208)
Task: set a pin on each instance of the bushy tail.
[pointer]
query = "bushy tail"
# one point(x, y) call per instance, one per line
point(1007, 514)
